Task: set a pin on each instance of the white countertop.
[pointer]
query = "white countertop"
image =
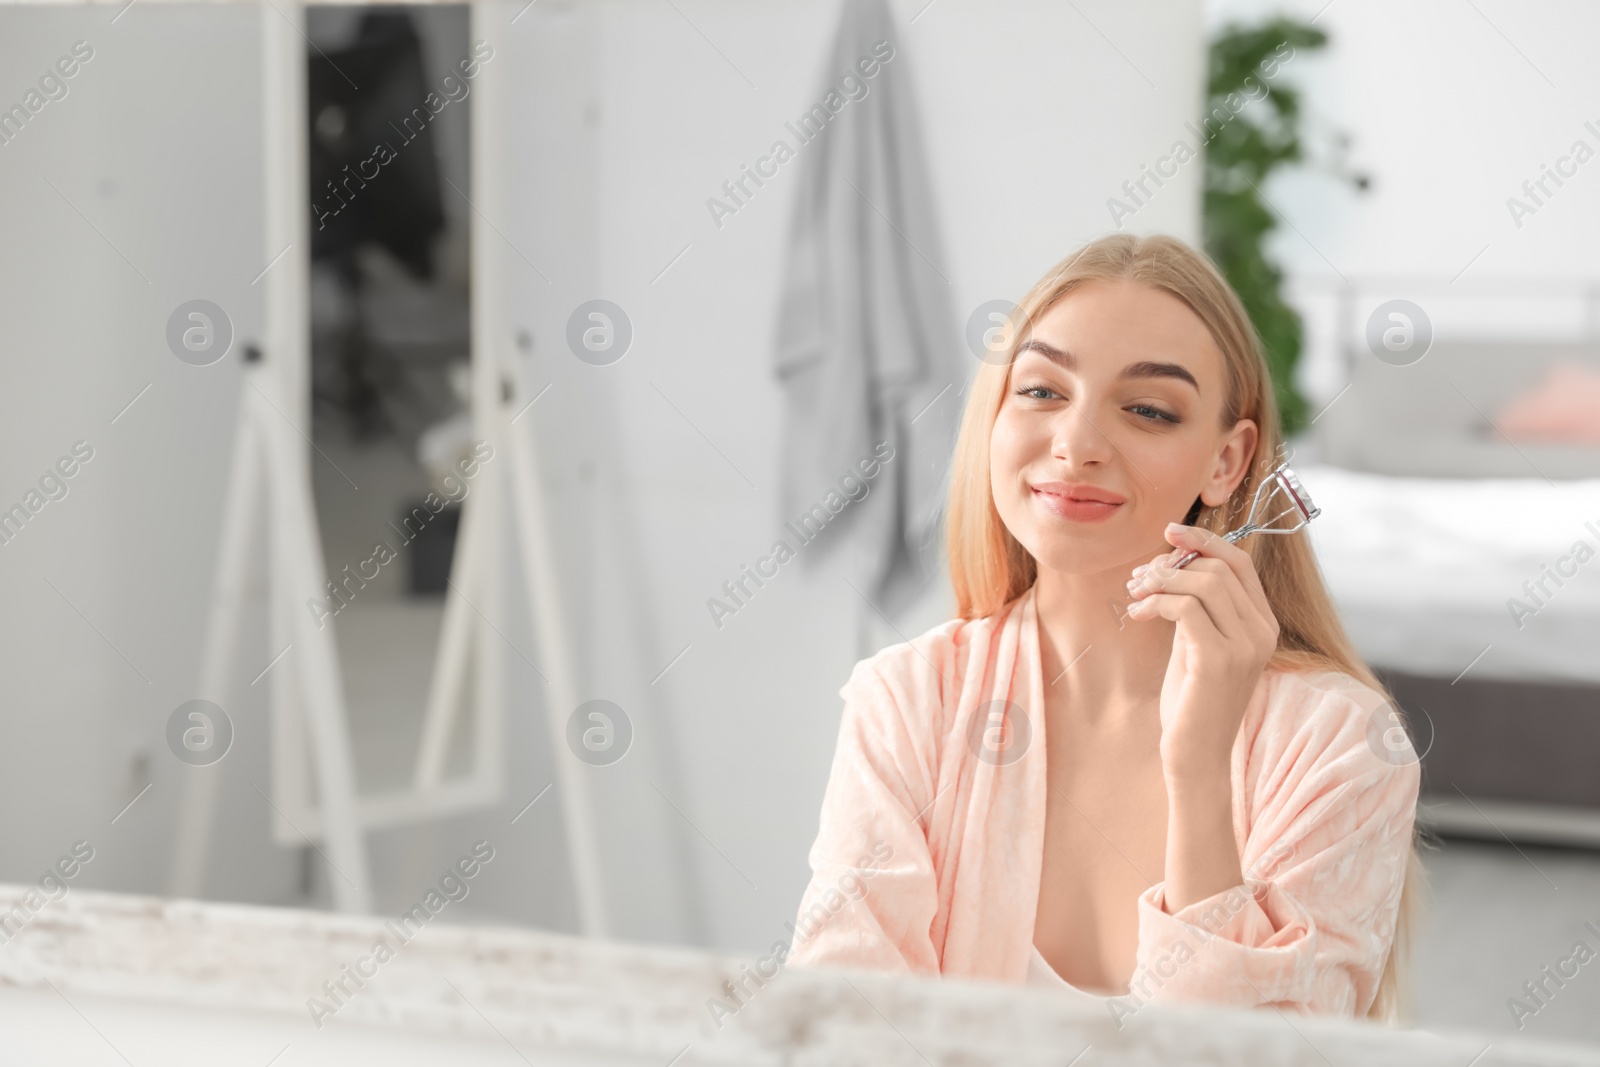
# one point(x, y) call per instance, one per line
point(180, 982)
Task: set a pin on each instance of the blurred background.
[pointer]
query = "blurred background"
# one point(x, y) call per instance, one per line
point(1404, 207)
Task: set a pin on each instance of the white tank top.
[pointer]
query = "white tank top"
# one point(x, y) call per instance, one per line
point(1040, 973)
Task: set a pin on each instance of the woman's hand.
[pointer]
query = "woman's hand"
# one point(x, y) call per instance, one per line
point(1225, 634)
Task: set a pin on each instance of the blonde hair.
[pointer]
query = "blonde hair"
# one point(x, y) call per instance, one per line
point(989, 567)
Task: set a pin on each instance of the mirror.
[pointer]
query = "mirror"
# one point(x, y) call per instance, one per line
point(413, 459)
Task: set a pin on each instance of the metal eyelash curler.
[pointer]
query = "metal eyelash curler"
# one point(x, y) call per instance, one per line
point(1281, 481)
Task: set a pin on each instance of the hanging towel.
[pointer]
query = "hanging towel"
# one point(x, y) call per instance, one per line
point(867, 347)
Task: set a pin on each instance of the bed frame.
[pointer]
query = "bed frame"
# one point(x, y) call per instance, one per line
point(1505, 760)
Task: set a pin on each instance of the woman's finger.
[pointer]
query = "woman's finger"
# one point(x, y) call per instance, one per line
point(1180, 608)
point(1208, 585)
point(1215, 546)
point(1240, 610)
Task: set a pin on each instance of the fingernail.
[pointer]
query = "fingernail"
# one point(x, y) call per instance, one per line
point(1174, 527)
point(1140, 569)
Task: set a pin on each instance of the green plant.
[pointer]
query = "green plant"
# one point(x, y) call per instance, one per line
point(1244, 146)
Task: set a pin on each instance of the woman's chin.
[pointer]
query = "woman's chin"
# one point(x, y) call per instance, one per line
point(1093, 552)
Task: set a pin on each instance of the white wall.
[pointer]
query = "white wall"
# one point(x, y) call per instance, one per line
point(631, 116)
point(154, 156)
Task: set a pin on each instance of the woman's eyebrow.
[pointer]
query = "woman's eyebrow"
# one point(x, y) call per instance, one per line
point(1142, 369)
point(1151, 369)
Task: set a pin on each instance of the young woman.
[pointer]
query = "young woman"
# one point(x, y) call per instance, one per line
point(1132, 782)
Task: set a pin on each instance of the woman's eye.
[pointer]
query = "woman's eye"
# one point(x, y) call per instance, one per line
point(1154, 414)
point(1037, 392)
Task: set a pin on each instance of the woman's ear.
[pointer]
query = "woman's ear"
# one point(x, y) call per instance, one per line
point(1232, 462)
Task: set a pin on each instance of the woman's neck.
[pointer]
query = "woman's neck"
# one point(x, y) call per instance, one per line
point(1095, 659)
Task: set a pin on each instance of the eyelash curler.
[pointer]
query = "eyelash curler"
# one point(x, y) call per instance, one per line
point(1281, 482)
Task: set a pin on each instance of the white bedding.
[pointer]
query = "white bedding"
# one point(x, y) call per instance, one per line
point(1422, 569)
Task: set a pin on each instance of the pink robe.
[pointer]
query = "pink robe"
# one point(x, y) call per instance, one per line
point(928, 858)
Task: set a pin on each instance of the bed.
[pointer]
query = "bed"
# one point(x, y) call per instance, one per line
point(1433, 528)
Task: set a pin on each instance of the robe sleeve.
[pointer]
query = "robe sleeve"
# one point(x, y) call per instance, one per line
point(873, 892)
point(1329, 842)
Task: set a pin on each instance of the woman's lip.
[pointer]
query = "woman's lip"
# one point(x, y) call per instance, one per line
point(1075, 510)
point(1080, 491)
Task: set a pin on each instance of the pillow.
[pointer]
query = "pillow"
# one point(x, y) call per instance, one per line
point(1562, 408)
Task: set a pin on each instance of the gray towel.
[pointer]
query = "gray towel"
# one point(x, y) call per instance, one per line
point(866, 340)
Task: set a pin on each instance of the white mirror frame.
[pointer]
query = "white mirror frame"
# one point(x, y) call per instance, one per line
point(305, 746)
point(271, 470)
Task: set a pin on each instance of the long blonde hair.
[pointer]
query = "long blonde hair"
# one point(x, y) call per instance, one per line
point(989, 567)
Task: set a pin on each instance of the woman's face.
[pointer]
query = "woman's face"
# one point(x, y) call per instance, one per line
point(1109, 428)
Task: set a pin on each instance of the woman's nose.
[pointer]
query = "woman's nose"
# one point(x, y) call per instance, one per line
point(1076, 437)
